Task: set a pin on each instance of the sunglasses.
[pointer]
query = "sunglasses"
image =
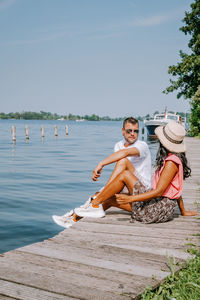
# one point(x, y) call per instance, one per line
point(132, 131)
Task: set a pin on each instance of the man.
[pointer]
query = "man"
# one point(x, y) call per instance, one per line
point(130, 154)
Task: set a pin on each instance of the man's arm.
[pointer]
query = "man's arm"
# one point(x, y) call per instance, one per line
point(133, 151)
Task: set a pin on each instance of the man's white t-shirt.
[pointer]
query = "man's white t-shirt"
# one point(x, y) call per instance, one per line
point(141, 163)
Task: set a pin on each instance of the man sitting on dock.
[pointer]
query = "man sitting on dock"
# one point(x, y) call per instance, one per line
point(134, 155)
point(130, 154)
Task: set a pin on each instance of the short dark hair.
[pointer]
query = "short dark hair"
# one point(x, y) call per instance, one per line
point(130, 120)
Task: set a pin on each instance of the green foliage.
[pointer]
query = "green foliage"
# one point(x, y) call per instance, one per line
point(195, 114)
point(183, 285)
point(29, 115)
point(187, 71)
point(42, 115)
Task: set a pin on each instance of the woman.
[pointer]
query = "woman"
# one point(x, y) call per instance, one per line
point(157, 204)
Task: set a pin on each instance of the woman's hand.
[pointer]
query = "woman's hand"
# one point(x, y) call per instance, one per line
point(123, 198)
point(188, 213)
point(96, 173)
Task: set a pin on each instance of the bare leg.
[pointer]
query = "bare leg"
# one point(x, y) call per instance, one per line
point(115, 186)
point(112, 202)
point(121, 165)
point(107, 195)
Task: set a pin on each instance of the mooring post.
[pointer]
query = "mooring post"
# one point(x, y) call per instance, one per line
point(42, 129)
point(56, 130)
point(13, 131)
point(66, 129)
point(27, 132)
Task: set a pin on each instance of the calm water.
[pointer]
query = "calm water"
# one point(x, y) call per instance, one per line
point(39, 178)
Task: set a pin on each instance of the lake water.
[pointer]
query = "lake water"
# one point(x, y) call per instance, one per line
point(41, 177)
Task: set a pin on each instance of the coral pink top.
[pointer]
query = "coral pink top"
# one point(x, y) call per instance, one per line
point(175, 188)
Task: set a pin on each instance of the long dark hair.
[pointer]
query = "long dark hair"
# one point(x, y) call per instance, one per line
point(163, 153)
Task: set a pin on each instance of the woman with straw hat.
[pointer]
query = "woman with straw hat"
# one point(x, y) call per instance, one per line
point(158, 204)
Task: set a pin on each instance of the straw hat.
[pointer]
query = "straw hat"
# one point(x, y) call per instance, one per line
point(172, 136)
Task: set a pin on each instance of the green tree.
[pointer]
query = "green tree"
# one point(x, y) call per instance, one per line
point(147, 117)
point(195, 114)
point(156, 112)
point(187, 72)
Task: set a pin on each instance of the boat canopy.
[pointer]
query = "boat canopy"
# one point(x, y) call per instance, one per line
point(167, 116)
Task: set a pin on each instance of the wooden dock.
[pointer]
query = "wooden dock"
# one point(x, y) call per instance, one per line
point(107, 258)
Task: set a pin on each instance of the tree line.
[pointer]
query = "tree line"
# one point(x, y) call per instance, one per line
point(42, 115)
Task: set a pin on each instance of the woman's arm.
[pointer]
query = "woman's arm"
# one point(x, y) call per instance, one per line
point(133, 151)
point(183, 211)
point(168, 173)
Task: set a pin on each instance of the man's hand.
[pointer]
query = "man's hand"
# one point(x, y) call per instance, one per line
point(96, 173)
point(122, 198)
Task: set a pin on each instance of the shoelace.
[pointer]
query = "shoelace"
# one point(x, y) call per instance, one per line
point(68, 214)
point(71, 212)
point(88, 202)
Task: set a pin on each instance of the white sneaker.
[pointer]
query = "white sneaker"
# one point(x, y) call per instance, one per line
point(87, 202)
point(68, 214)
point(90, 211)
point(65, 222)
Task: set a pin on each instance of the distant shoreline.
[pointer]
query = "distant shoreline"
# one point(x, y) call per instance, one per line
point(42, 115)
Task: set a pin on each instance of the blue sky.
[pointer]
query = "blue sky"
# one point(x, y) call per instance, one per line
point(108, 57)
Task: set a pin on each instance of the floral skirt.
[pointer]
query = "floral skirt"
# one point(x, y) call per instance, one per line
point(157, 210)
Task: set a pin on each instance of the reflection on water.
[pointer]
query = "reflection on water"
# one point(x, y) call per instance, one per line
point(48, 175)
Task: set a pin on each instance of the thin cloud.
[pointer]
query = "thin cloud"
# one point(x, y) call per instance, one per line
point(70, 34)
point(148, 21)
point(132, 4)
point(6, 3)
point(152, 21)
point(101, 36)
point(34, 41)
point(159, 19)
point(106, 32)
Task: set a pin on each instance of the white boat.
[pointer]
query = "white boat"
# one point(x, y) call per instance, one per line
point(161, 119)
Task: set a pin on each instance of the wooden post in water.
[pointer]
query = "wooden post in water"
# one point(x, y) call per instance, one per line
point(66, 129)
point(27, 132)
point(56, 130)
point(42, 129)
point(13, 131)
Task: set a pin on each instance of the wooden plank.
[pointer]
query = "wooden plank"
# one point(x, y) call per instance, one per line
point(21, 292)
point(2, 297)
point(68, 279)
point(81, 256)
